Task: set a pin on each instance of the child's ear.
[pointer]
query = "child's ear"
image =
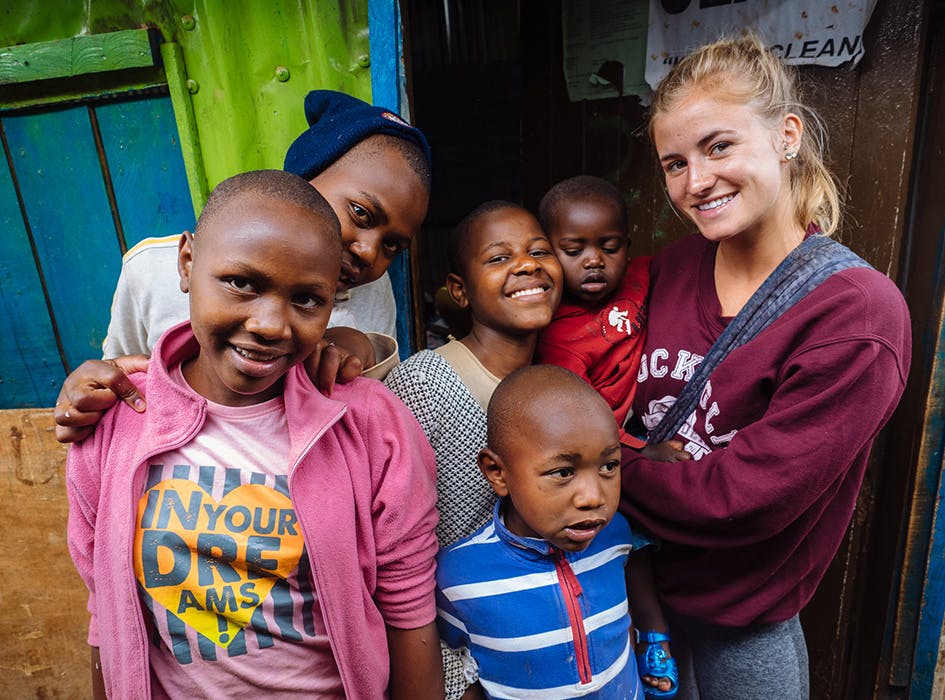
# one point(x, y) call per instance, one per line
point(185, 259)
point(457, 290)
point(490, 464)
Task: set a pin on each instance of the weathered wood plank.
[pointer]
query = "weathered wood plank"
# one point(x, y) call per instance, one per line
point(30, 367)
point(147, 170)
point(938, 689)
point(60, 179)
point(79, 55)
point(926, 665)
point(43, 618)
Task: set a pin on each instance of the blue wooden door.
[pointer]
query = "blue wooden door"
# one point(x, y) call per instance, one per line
point(80, 185)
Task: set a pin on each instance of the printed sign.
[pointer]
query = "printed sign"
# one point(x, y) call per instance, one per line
point(798, 31)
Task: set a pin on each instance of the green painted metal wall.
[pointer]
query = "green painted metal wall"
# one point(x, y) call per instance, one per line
point(250, 65)
point(237, 71)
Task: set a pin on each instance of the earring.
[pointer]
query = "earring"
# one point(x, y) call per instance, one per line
point(790, 156)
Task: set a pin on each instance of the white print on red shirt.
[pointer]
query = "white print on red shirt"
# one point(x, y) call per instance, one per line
point(620, 320)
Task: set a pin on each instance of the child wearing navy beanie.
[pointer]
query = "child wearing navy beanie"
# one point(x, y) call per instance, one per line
point(372, 167)
point(338, 122)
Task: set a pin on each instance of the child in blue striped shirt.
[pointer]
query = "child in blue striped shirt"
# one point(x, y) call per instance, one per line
point(538, 594)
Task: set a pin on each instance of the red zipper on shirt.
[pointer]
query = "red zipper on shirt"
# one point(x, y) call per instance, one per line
point(571, 588)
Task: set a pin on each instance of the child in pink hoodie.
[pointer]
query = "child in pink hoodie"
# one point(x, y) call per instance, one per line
point(247, 534)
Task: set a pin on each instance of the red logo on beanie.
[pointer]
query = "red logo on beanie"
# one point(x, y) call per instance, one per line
point(394, 118)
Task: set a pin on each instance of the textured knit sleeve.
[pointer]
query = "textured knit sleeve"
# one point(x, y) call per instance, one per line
point(455, 425)
point(459, 670)
point(410, 382)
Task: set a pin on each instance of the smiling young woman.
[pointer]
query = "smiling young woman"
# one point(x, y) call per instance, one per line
point(782, 432)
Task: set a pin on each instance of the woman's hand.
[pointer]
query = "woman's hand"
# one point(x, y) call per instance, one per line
point(91, 389)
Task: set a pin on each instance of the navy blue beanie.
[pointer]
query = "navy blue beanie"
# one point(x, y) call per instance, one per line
point(337, 122)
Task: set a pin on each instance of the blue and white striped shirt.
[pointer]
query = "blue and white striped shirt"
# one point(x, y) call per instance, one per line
point(541, 623)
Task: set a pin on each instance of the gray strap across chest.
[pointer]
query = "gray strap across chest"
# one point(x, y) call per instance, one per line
point(805, 267)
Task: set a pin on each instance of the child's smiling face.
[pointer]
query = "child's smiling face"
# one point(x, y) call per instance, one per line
point(590, 242)
point(261, 278)
point(511, 280)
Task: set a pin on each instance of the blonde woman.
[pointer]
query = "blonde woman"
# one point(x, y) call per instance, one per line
point(782, 430)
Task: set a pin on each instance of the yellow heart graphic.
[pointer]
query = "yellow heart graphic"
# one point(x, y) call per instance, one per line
point(212, 563)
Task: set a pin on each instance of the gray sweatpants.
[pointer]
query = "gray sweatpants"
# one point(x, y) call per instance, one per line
point(758, 662)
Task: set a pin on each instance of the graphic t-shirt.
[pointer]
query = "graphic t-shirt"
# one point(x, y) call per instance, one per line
point(222, 567)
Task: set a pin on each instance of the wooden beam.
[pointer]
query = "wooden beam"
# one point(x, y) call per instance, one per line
point(79, 55)
point(43, 618)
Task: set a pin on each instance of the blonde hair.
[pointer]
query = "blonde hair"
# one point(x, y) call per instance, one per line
point(744, 69)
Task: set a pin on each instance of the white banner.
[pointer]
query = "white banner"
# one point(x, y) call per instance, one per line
point(820, 32)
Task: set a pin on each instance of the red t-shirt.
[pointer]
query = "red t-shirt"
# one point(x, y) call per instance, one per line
point(602, 344)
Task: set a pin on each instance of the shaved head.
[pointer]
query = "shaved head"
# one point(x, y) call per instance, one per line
point(457, 250)
point(578, 188)
point(528, 394)
point(276, 185)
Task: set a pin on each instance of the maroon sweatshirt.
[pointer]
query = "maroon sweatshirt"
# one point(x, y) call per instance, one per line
point(780, 439)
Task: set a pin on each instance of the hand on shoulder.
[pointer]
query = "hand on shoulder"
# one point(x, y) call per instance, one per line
point(91, 389)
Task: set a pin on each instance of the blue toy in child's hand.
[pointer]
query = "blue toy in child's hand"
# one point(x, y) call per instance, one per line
point(654, 662)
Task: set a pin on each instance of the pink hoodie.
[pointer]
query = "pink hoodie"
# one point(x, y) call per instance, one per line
point(365, 499)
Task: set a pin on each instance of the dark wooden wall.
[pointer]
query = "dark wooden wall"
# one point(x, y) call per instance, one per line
point(899, 654)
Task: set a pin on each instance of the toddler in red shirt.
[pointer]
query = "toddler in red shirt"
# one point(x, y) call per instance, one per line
point(598, 333)
point(599, 329)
